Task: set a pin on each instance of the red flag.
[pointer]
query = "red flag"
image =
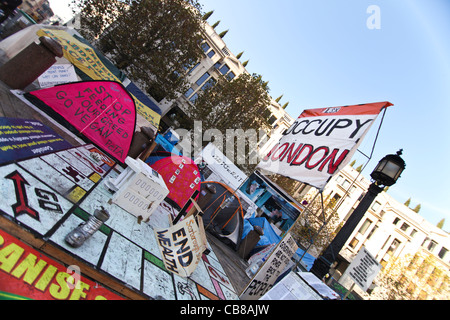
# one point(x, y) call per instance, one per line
point(103, 111)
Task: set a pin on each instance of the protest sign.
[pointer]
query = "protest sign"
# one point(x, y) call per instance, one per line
point(26, 274)
point(182, 246)
point(21, 138)
point(58, 74)
point(363, 269)
point(321, 142)
point(103, 111)
point(85, 58)
point(270, 270)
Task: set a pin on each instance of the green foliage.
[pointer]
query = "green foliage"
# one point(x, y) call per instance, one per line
point(152, 41)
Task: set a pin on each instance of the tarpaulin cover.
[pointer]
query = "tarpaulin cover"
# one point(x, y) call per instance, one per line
point(166, 145)
point(270, 237)
point(181, 175)
point(142, 97)
point(103, 111)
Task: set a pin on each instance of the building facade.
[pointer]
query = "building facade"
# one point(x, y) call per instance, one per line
point(219, 60)
point(413, 253)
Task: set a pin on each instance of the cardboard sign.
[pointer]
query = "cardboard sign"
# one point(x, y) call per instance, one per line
point(182, 246)
point(21, 138)
point(321, 142)
point(58, 74)
point(363, 269)
point(28, 274)
point(103, 111)
point(270, 270)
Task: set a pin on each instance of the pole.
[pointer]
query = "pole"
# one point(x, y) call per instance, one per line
point(349, 291)
point(322, 265)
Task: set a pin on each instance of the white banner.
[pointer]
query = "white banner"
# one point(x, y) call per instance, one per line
point(321, 142)
point(222, 166)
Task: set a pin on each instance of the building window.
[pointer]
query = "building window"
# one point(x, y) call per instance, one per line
point(194, 98)
point(189, 92)
point(193, 68)
point(209, 84)
point(413, 233)
point(345, 184)
point(372, 232)
point(365, 226)
point(202, 79)
point(432, 246)
point(353, 243)
point(272, 120)
point(442, 253)
point(396, 220)
point(231, 75)
point(205, 47)
point(211, 53)
point(224, 69)
point(404, 226)
point(393, 247)
point(376, 206)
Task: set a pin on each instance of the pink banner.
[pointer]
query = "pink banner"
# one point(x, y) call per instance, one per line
point(103, 111)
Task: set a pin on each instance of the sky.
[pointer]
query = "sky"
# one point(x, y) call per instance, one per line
point(322, 54)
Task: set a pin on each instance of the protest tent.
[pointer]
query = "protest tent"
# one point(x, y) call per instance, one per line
point(103, 111)
point(223, 215)
point(181, 175)
point(270, 237)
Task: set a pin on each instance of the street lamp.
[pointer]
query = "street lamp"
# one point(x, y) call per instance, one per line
point(385, 174)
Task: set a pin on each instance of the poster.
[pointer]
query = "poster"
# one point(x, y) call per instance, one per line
point(22, 138)
point(103, 111)
point(182, 246)
point(28, 274)
point(58, 74)
point(270, 270)
point(84, 58)
point(363, 269)
point(321, 142)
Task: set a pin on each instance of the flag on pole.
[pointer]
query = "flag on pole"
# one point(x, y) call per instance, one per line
point(321, 142)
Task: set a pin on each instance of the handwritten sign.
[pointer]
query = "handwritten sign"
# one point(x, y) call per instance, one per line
point(58, 74)
point(21, 138)
point(103, 111)
point(271, 269)
point(181, 246)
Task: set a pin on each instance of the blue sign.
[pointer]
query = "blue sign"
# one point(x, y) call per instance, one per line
point(22, 138)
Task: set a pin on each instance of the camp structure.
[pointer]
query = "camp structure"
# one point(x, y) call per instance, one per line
point(181, 175)
point(223, 215)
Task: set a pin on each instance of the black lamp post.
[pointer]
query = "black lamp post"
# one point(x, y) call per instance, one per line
point(385, 174)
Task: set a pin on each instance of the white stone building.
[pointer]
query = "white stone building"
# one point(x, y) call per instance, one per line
point(393, 234)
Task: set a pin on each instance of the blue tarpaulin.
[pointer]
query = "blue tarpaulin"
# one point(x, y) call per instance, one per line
point(270, 237)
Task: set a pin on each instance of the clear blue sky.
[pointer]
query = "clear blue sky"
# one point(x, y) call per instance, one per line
point(321, 54)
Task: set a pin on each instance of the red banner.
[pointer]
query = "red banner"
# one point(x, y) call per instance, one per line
point(101, 110)
point(28, 274)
